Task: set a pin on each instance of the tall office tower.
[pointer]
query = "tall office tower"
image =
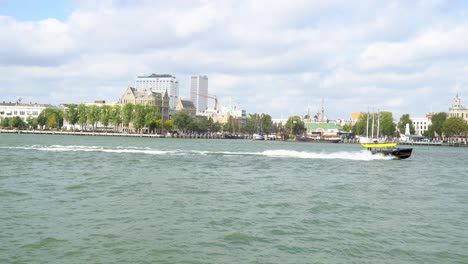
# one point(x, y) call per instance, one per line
point(199, 92)
point(160, 83)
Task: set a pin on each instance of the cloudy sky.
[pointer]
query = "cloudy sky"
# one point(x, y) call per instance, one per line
point(278, 57)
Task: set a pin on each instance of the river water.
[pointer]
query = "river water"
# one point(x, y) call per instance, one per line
point(71, 199)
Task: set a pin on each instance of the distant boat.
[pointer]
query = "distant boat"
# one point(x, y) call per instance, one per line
point(258, 137)
point(233, 136)
point(388, 149)
point(305, 139)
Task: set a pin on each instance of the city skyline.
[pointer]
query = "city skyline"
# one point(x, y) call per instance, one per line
point(279, 58)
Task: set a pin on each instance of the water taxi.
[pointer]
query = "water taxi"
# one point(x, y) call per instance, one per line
point(388, 149)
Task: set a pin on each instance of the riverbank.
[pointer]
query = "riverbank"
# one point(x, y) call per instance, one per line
point(446, 144)
point(201, 136)
point(123, 134)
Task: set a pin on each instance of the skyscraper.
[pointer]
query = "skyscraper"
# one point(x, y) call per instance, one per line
point(199, 92)
point(160, 83)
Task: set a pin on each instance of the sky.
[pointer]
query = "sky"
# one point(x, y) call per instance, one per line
point(275, 57)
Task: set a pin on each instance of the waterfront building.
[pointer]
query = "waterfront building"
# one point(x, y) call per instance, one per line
point(147, 97)
point(421, 125)
point(313, 128)
point(160, 83)
point(188, 106)
point(280, 121)
point(22, 110)
point(199, 92)
point(355, 117)
point(233, 113)
point(458, 110)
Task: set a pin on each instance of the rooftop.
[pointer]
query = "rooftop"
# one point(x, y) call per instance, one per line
point(22, 104)
point(315, 126)
point(157, 76)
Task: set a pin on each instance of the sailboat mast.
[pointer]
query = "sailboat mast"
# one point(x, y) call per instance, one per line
point(367, 126)
point(323, 116)
point(378, 123)
point(373, 120)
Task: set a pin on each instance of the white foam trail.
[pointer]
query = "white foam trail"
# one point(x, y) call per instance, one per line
point(71, 148)
point(362, 155)
point(354, 155)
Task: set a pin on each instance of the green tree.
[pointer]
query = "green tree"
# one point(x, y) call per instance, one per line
point(127, 114)
point(42, 120)
point(32, 122)
point(295, 125)
point(47, 114)
point(182, 120)
point(94, 115)
point(216, 127)
point(169, 125)
point(252, 124)
point(455, 126)
point(5, 122)
point(405, 119)
point(138, 116)
point(106, 112)
point(83, 116)
point(438, 121)
point(52, 122)
point(266, 123)
point(116, 116)
point(347, 127)
point(159, 124)
point(151, 116)
point(202, 124)
point(228, 126)
point(17, 123)
point(72, 115)
point(387, 126)
point(429, 133)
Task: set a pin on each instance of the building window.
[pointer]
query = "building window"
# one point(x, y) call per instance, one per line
point(22, 112)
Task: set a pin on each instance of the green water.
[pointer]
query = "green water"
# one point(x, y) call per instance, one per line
point(67, 199)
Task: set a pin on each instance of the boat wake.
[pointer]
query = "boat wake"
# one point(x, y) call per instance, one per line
point(362, 155)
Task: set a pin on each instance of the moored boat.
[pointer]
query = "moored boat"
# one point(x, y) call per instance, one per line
point(258, 137)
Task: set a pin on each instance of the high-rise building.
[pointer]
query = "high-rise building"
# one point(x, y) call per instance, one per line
point(199, 92)
point(160, 83)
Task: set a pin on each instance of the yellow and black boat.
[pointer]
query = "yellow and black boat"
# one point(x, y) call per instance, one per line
point(389, 149)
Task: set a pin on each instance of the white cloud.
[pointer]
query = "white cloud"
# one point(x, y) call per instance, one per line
point(427, 48)
point(269, 56)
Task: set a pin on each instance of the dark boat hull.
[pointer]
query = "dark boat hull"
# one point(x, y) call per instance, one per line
point(398, 153)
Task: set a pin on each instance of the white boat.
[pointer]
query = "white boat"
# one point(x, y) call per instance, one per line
point(258, 137)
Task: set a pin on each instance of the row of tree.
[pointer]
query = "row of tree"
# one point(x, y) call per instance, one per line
point(185, 123)
point(441, 125)
point(447, 126)
point(141, 118)
point(147, 118)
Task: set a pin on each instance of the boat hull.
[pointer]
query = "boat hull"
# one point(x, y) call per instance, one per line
point(397, 153)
